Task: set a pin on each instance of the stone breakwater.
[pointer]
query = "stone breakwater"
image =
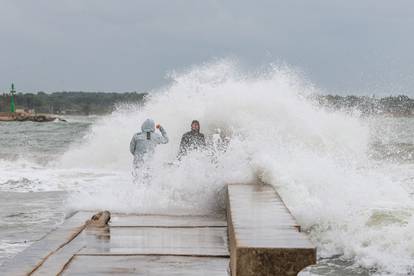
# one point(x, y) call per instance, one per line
point(23, 116)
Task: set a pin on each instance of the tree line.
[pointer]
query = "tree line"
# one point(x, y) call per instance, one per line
point(80, 103)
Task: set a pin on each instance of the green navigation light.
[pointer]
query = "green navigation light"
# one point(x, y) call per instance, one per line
point(12, 104)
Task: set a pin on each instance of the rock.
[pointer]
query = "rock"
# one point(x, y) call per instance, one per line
point(100, 219)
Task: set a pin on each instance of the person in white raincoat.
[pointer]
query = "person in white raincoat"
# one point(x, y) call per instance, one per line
point(143, 143)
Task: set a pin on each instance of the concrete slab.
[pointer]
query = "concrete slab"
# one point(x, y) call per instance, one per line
point(147, 265)
point(133, 220)
point(156, 241)
point(259, 206)
point(264, 237)
point(57, 261)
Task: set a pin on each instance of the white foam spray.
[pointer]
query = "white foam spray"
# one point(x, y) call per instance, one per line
point(316, 159)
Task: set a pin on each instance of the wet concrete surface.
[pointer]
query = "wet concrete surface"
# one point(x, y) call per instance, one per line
point(124, 220)
point(147, 265)
point(157, 241)
point(261, 219)
point(259, 207)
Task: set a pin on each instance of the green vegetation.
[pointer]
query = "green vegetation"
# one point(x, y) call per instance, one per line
point(82, 103)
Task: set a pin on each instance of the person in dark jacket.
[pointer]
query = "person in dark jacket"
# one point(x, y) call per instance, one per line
point(192, 140)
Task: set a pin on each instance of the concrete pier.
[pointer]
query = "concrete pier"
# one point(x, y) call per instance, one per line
point(264, 240)
point(264, 237)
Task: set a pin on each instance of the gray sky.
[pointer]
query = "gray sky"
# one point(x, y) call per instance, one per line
point(347, 46)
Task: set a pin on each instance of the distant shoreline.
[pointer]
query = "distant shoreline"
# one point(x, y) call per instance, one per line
point(101, 103)
point(70, 103)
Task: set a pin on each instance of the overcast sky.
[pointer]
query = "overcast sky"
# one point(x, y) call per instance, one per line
point(355, 47)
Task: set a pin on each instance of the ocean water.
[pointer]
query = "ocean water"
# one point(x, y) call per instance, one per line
point(348, 179)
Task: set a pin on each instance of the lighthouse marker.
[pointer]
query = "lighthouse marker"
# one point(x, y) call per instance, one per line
point(12, 104)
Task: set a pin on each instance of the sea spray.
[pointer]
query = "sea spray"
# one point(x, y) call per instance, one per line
point(317, 160)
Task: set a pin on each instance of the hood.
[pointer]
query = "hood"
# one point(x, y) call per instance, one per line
point(148, 126)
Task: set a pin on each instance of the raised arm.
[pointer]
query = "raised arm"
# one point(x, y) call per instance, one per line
point(164, 138)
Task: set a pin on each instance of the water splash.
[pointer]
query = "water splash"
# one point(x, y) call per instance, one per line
point(316, 159)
